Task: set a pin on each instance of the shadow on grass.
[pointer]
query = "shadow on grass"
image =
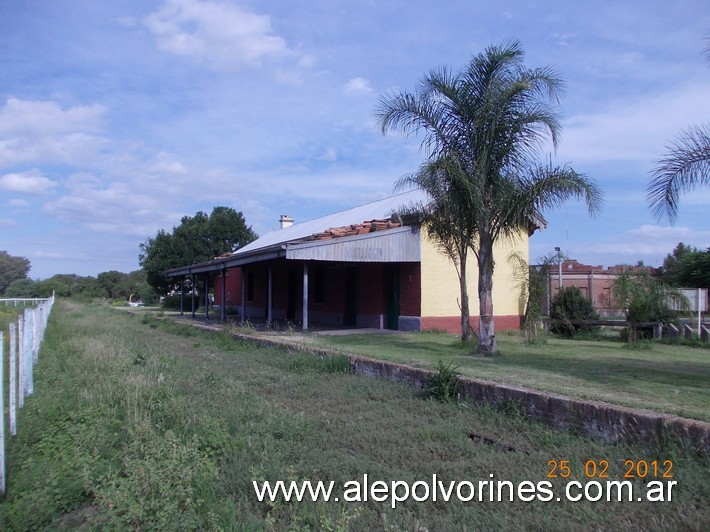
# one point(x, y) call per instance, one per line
point(613, 368)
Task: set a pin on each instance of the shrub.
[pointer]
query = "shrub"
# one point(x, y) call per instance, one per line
point(444, 383)
point(570, 304)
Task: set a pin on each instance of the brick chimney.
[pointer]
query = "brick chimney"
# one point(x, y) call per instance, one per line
point(285, 221)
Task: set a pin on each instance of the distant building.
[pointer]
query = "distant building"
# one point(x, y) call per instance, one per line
point(595, 283)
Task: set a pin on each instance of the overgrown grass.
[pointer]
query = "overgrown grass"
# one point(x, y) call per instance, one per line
point(141, 426)
point(9, 314)
point(665, 378)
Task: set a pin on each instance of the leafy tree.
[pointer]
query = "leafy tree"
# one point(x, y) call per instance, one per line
point(139, 287)
point(68, 285)
point(570, 304)
point(118, 285)
point(114, 285)
point(483, 128)
point(532, 284)
point(22, 288)
point(685, 166)
point(197, 239)
point(11, 269)
point(646, 298)
point(687, 267)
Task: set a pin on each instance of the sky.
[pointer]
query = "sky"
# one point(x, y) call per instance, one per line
point(118, 118)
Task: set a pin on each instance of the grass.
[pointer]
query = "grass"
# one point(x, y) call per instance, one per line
point(9, 314)
point(143, 424)
point(660, 377)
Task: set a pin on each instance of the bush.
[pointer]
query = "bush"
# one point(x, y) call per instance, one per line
point(569, 305)
point(444, 383)
point(173, 302)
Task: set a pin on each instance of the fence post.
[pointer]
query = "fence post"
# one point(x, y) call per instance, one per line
point(12, 381)
point(2, 415)
point(687, 331)
point(29, 351)
point(20, 360)
point(658, 331)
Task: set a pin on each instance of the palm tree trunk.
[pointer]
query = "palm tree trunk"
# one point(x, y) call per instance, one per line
point(466, 329)
point(486, 326)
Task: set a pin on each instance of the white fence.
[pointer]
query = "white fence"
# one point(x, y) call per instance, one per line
point(25, 338)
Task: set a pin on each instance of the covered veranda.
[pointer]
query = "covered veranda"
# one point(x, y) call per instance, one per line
point(294, 271)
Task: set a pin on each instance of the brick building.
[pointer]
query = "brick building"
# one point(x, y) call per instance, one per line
point(595, 283)
point(362, 268)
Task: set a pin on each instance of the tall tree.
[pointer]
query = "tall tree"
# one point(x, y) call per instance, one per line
point(685, 166)
point(687, 267)
point(483, 129)
point(12, 269)
point(197, 239)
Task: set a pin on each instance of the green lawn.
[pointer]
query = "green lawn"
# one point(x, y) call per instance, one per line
point(140, 424)
point(664, 378)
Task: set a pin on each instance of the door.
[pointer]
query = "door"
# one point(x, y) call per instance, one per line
point(393, 297)
point(292, 303)
point(351, 297)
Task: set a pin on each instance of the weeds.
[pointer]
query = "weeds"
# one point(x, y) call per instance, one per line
point(306, 363)
point(444, 383)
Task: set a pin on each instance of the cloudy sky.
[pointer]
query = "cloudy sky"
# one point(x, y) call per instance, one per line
point(117, 118)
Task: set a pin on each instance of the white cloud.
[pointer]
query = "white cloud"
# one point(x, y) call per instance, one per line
point(634, 131)
point(19, 202)
point(219, 32)
point(29, 182)
point(650, 241)
point(563, 39)
point(668, 233)
point(34, 118)
point(329, 155)
point(115, 208)
point(41, 131)
point(167, 164)
point(74, 149)
point(307, 61)
point(358, 85)
point(49, 254)
point(126, 22)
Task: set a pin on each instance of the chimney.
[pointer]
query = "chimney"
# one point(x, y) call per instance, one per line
point(285, 221)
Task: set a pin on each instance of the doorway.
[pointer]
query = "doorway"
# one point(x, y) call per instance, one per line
point(393, 297)
point(351, 296)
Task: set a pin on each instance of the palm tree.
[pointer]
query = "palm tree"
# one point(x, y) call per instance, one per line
point(685, 166)
point(482, 129)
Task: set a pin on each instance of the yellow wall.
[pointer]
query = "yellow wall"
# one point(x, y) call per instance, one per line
point(440, 284)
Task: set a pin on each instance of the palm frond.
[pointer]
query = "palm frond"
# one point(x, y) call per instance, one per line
point(685, 167)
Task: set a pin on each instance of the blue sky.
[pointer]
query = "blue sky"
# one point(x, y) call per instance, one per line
point(118, 118)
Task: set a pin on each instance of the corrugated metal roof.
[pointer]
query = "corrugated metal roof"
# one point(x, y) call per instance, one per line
point(401, 244)
point(370, 211)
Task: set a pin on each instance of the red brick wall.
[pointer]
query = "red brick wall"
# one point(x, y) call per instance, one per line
point(232, 288)
point(410, 282)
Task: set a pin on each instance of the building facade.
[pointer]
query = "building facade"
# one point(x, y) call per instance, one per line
point(358, 268)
